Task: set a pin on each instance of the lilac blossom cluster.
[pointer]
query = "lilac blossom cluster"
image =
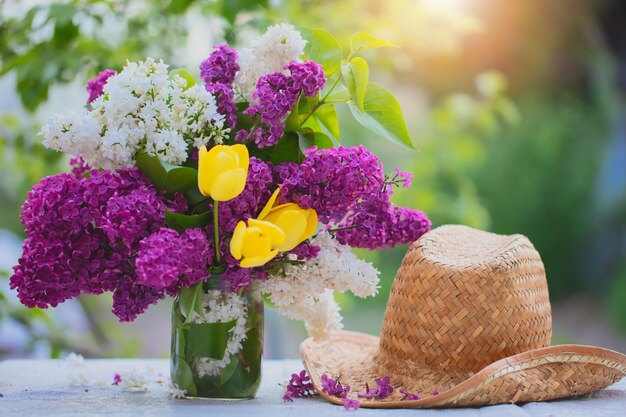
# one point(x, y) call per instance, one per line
point(97, 233)
point(96, 84)
point(334, 387)
point(383, 389)
point(168, 260)
point(276, 94)
point(218, 72)
point(347, 187)
point(298, 386)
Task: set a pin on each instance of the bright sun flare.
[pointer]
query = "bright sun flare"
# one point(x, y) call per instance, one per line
point(442, 6)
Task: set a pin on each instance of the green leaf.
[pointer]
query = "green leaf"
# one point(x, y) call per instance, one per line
point(188, 300)
point(181, 179)
point(164, 176)
point(287, 150)
point(231, 8)
point(228, 372)
point(208, 340)
point(355, 74)
point(292, 123)
point(361, 41)
point(194, 196)
point(178, 6)
point(382, 115)
point(182, 222)
point(325, 120)
point(151, 166)
point(184, 75)
point(323, 48)
point(183, 377)
point(267, 302)
point(310, 138)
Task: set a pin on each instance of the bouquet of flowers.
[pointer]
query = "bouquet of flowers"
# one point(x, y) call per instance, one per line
point(217, 192)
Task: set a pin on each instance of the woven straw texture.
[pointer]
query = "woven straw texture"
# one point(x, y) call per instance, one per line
point(469, 316)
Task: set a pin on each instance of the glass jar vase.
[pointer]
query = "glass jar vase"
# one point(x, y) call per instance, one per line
point(217, 342)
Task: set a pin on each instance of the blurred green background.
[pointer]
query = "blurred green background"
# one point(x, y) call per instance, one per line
point(516, 109)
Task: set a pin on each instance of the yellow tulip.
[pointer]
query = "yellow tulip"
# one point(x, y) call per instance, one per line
point(222, 171)
point(256, 243)
point(278, 228)
point(298, 224)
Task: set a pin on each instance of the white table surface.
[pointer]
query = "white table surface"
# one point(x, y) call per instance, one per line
point(71, 388)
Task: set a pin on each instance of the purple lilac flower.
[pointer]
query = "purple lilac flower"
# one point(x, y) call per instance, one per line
point(168, 260)
point(298, 386)
point(129, 218)
point(307, 76)
point(79, 166)
point(235, 278)
point(334, 387)
point(218, 72)
point(332, 180)
point(374, 223)
point(383, 389)
point(276, 94)
point(117, 379)
point(131, 298)
point(67, 251)
point(96, 84)
point(305, 251)
point(259, 188)
point(275, 99)
point(349, 403)
point(225, 99)
point(347, 188)
point(220, 67)
point(403, 177)
point(409, 396)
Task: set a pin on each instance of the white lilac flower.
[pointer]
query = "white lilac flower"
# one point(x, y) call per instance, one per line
point(141, 109)
point(75, 360)
point(177, 393)
point(277, 47)
point(305, 291)
point(134, 381)
point(220, 307)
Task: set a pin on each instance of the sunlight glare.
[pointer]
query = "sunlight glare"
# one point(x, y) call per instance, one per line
point(444, 6)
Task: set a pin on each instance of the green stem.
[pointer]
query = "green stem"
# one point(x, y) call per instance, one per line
point(321, 102)
point(216, 233)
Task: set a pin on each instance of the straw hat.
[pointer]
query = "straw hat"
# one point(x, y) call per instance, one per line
point(468, 318)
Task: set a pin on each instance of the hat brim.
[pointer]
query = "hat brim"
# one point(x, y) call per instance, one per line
point(536, 375)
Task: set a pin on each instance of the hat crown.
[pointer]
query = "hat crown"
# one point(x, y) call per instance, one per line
point(463, 299)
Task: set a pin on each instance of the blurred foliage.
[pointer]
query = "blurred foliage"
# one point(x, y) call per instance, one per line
point(23, 162)
point(38, 325)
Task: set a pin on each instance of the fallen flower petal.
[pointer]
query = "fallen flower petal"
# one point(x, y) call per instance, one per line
point(349, 403)
point(333, 387)
point(409, 396)
point(298, 386)
point(117, 378)
point(383, 389)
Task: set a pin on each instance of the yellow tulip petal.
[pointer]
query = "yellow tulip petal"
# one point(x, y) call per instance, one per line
point(236, 242)
point(287, 206)
point(258, 260)
point(243, 156)
point(204, 181)
point(311, 224)
point(269, 204)
point(275, 233)
point(256, 244)
point(228, 185)
point(293, 223)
